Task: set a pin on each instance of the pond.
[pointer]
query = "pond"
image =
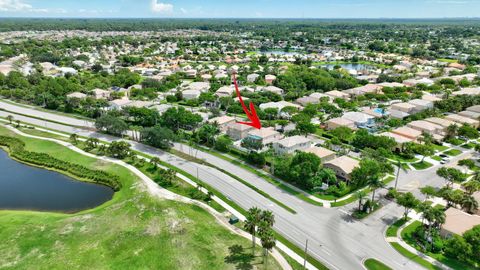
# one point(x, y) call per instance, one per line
point(24, 187)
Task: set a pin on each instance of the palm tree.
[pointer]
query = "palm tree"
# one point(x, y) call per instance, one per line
point(10, 118)
point(74, 138)
point(155, 161)
point(469, 203)
point(267, 238)
point(375, 183)
point(471, 186)
point(452, 131)
point(268, 217)
point(426, 138)
point(251, 223)
point(360, 196)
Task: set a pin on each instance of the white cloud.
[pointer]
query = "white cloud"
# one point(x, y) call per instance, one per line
point(161, 7)
point(22, 6)
point(14, 5)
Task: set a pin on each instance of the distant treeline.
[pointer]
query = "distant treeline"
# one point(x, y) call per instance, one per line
point(25, 24)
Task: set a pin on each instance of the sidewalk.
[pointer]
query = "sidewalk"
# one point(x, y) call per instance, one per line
point(156, 190)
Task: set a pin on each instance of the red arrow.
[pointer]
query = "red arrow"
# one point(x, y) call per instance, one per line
point(252, 114)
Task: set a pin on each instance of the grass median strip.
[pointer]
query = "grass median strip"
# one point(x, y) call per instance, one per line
point(372, 264)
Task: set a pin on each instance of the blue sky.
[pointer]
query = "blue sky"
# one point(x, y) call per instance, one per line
point(241, 9)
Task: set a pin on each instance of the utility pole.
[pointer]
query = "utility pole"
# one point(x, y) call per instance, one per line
point(399, 164)
point(305, 257)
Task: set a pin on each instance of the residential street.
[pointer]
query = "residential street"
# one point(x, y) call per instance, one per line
point(334, 237)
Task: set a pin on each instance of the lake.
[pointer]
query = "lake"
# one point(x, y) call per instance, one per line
point(24, 187)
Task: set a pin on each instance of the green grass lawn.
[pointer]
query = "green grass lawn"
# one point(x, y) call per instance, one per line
point(372, 264)
point(414, 257)
point(133, 230)
point(402, 159)
point(439, 147)
point(437, 158)
point(393, 229)
point(407, 235)
point(422, 165)
point(453, 152)
point(469, 145)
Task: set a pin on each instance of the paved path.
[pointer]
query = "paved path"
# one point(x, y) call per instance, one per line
point(334, 237)
point(155, 190)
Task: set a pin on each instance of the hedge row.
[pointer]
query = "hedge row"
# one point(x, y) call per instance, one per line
point(17, 150)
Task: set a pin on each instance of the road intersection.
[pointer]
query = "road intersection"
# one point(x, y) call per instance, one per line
point(335, 238)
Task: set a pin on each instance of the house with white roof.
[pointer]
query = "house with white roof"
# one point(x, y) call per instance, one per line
point(289, 145)
point(77, 95)
point(360, 119)
point(279, 105)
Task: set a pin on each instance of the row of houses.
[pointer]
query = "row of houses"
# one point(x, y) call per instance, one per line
point(343, 166)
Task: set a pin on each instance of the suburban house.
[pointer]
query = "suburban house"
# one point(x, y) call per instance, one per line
point(289, 145)
point(470, 114)
point(118, 104)
point(337, 94)
point(413, 82)
point(420, 105)
point(342, 166)
point(273, 89)
point(77, 95)
point(319, 96)
point(225, 91)
point(399, 139)
point(339, 122)
point(100, 93)
point(403, 107)
point(223, 122)
point(360, 119)
point(475, 108)
point(444, 123)
point(265, 135)
point(467, 91)
point(191, 94)
point(238, 131)
point(362, 90)
point(407, 132)
point(476, 195)
point(279, 105)
point(304, 101)
point(324, 154)
point(457, 222)
point(462, 120)
point(424, 126)
point(251, 78)
point(270, 78)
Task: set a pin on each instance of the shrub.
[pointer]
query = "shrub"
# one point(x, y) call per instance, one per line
point(17, 150)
